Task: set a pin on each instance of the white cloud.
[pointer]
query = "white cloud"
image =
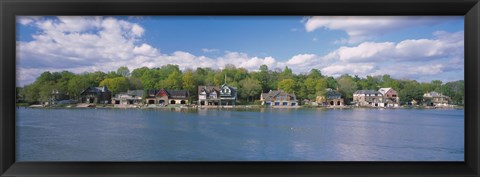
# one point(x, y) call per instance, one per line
point(300, 59)
point(145, 50)
point(206, 50)
point(137, 30)
point(350, 68)
point(361, 28)
point(26, 20)
point(449, 45)
point(412, 58)
point(365, 51)
point(105, 43)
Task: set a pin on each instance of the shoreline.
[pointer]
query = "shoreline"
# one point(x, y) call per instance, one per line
point(110, 106)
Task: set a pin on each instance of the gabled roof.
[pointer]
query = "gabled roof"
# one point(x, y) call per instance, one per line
point(97, 90)
point(135, 92)
point(367, 92)
point(331, 92)
point(434, 94)
point(177, 93)
point(384, 90)
point(208, 89)
point(230, 87)
point(274, 93)
point(151, 93)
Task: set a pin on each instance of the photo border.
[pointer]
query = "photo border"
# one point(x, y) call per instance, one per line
point(11, 8)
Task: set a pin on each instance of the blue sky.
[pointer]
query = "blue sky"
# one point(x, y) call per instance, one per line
point(423, 48)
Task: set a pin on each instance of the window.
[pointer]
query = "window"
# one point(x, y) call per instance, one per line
point(285, 103)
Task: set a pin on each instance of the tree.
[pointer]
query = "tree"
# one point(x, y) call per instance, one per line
point(347, 86)
point(45, 77)
point(287, 85)
point(174, 80)
point(189, 83)
point(310, 85)
point(167, 70)
point(263, 68)
point(331, 83)
point(138, 73)
point(135, 83)
point(115, 85)
point(437, 85)
point(315, 74)
point(93, 79)
point(411, 92)
point(30, 92)
point(264, 77)
point(75, 86)
point(287, 73)
point(321, 87)
point(250, 87)
point(315, 87)
point(112, 74)
point(123, 71)
point(149, 79)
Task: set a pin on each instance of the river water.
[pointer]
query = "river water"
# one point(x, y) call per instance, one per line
point(248, 135)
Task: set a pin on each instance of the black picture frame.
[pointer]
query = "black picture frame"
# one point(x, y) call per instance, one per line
point(470, 9)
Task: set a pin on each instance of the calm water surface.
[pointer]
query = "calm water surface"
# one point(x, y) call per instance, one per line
point(261, 135)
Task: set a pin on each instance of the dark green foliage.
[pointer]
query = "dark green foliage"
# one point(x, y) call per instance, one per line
point(250, 84)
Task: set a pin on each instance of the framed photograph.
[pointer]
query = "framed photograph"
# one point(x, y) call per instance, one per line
point(254, 88)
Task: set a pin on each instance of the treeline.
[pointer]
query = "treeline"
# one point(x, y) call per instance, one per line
point(250, 84)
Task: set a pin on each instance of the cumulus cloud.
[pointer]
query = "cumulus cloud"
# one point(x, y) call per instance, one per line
point(448, 45)
point(361, 28)
point(406, 59)
point(350, 68)
point(87, 44)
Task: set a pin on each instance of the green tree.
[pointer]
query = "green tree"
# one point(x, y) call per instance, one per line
point(138, 73)
point(75, 86)
point(287, 85)
point(135, 83)
point(189, 83)
point(123, 71)
point(287, 73)
point(346, 86)
point(149, 79)
point(315, 74)
point(116, 85)
point(321, 87)
point(174, 80)
point(250, 87)
point(331, 83)
point(30, 93)
point(411, 92)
